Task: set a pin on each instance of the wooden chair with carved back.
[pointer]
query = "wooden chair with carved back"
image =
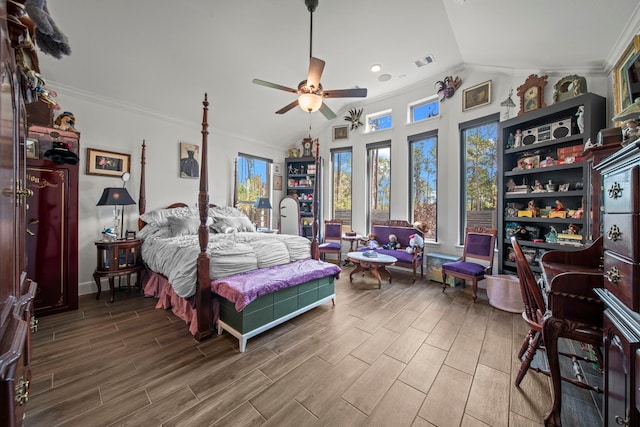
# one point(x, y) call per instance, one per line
point(538, 316)
point(479, 245)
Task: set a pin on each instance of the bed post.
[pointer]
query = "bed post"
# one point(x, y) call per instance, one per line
point(315, 250)
point(203, 290)
point(142, 196)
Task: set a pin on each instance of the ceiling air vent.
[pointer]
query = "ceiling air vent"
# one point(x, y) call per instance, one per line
point(424, 61)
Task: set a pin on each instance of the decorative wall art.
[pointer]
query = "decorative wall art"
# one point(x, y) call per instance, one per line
point(447, 87)
point(107, 163)
point(621, 95)
point(277, 168)
point(189, 160)
point(277, 182)
point(354, 118)
point(340, 132)
point(476, 96)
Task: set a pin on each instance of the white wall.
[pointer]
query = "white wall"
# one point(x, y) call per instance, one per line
point(120, 128)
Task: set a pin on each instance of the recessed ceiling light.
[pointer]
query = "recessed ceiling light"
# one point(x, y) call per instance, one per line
point(375, 68)
point(384, 77)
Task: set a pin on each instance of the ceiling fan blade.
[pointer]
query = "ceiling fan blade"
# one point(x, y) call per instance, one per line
point(345, 93)
point(274, 85)
point(316, 66)
point(288, 107)
point(326, 112)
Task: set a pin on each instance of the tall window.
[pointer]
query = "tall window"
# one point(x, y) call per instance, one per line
point(423, 180)
point(253, 182)
point(479, 139)
point(378, 182)
point(341, 181)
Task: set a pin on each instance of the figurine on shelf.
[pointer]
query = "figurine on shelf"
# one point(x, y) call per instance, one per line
point(518, 139)
point(574, 229)
point(580, 118)
point(559, 206)
point(511, 141)
point(537, 187)
point(551, 236)
point(531, 206)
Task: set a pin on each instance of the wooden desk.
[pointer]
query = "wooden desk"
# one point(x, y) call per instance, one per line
point(118, 258)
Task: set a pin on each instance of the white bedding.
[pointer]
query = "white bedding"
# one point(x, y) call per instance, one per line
point(232, 253)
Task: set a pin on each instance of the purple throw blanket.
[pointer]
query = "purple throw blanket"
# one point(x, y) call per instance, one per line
point(245, 287)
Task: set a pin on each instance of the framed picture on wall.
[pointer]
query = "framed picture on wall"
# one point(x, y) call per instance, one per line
point(189, 160)
point(107, 163)
point(340, 132)
point(277, 182)
point(621, 93)
point(476, 96)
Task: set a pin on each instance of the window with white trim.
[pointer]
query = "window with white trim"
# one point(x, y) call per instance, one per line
point(424, 109)
point(379, 121)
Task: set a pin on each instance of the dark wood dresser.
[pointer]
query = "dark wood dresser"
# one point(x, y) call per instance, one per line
point(621, 295)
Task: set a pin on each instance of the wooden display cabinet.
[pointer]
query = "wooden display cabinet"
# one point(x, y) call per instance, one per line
point(547, 133)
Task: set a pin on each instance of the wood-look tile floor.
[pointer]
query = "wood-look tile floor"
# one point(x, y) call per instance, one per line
point(403, 355)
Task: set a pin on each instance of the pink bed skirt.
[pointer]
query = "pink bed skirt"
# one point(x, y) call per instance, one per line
point(158, 286)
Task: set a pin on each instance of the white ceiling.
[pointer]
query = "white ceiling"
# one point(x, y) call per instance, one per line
point(162, 55)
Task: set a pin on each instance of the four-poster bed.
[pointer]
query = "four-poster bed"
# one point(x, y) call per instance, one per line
point(245, 282)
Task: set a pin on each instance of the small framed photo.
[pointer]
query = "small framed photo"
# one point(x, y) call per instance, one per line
point(277, 168)
point(32, 148)
point(130, 235)
point(189, 160)
point(340, 132)
point(476, 96)
point(107, 163)
point(277, 182)
point(564, 187)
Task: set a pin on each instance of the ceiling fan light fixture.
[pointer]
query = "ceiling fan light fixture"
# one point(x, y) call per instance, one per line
point(310, 102)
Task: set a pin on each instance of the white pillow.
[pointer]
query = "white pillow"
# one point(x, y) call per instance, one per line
point(160, 216)
point(185, 226)
point(222, 224)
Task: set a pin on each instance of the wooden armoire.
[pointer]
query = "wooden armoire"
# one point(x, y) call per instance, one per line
point(16, 290)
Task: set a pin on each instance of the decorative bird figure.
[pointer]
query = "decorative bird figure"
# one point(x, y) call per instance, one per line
point(354, 118)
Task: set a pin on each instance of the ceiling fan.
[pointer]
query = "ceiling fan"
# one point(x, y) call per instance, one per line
point(310, 91)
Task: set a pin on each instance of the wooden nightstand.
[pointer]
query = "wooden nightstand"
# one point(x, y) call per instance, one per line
point(118, 258)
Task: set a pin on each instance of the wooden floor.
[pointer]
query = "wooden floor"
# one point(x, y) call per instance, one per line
point(404, 355)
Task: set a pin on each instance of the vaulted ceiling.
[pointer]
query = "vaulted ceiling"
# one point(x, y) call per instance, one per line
point(162, 56)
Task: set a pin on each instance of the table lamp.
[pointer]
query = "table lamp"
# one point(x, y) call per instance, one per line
point(262, 203)
point(116, 196)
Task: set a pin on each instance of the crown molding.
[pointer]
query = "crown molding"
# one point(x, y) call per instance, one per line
point(137, 109)
point(631, 29)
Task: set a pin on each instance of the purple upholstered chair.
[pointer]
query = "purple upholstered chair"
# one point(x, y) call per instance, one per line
point(479, 244)
point(332, 242)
